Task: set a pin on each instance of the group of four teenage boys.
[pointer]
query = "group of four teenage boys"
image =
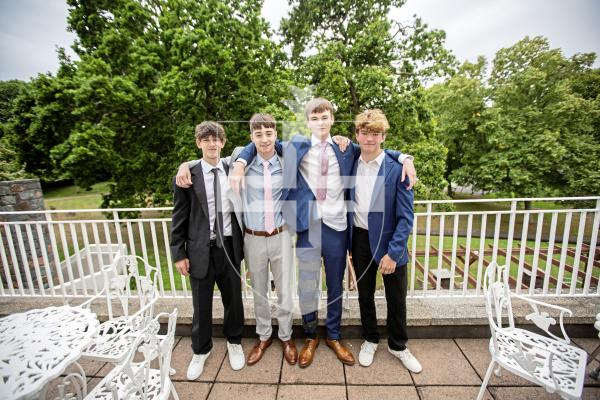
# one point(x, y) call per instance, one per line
point(334, 195)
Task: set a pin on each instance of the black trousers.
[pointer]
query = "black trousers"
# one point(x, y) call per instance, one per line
point(227, 277)
point(395, 293)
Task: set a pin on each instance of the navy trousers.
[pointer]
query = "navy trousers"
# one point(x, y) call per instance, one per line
point(322, 242)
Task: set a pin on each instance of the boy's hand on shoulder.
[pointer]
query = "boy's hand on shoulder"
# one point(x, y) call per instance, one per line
point(184, 177)
point(342, 142)
point(408, 168)
point(236, 176)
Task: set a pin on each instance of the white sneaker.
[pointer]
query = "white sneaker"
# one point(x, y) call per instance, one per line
point(236, 356)
point(196, 366)
point(367, 352)
point(409, 361)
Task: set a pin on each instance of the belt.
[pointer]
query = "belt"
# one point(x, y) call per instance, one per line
point(265, 234)
point(213, 242)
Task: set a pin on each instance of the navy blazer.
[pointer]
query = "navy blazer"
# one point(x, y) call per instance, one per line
point(390, 212)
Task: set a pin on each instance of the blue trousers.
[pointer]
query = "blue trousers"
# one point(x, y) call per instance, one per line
point(320, 241)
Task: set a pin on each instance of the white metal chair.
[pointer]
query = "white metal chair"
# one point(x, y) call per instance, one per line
point(124, 284)
point(139, 380)
point(548, 361)
point(595, 372)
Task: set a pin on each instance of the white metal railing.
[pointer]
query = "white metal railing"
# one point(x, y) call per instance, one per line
point(552, 249)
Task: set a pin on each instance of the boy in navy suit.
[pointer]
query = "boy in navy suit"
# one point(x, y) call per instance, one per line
point(381, 219)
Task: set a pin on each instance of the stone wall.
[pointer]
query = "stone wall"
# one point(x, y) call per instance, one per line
point(23, 195)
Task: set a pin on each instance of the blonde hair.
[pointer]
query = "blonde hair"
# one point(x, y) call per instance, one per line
point(373, 120)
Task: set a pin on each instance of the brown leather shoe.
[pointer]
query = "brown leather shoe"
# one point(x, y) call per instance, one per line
point(342, 353)
point(290, 353)
point(257, 351)
point(308, 352)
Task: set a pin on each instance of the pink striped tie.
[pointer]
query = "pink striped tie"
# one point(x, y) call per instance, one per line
point(269, 212)
point(322, 178)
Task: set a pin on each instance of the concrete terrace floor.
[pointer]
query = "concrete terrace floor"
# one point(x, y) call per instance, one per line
point(452, 369)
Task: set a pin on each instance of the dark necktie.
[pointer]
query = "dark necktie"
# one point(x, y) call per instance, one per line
point(218, 208)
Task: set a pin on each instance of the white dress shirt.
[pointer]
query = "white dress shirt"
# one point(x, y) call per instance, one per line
point(366, 175)
point(333, 209)
point(210, 197)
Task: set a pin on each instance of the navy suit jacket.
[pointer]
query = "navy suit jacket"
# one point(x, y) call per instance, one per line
point(390, 212)
point(190, 230)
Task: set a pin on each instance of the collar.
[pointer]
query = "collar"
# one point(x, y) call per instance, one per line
point(377, 160)
point(207, 168)
point(259, 160)
point(314, 140)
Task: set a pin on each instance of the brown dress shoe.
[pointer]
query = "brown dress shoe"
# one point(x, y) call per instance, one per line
point(342, 353)
point(308, 352)
point(257, 351)
point(289, 351)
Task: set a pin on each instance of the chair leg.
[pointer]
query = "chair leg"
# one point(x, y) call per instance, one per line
point(174, 392)
point(595, 373)
point(486, 379)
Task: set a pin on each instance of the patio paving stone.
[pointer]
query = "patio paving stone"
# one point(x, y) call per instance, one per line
point(234, 391)
point(451, 393)
point(382, 392)
point(316, 392)
point(443, 363)
point(478, 354)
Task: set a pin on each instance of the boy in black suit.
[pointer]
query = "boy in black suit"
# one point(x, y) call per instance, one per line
point(206, 244)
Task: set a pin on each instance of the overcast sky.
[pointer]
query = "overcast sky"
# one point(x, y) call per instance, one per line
point(30, 30)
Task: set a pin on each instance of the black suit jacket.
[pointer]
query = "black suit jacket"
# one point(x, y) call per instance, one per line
point(190, 231)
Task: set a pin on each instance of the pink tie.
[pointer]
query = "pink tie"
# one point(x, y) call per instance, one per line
point(269, 212)
point(322, 178)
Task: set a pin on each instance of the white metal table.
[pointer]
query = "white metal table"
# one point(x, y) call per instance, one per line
point(38, 345)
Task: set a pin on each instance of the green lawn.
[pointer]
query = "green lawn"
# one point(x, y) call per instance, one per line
point(74, 197)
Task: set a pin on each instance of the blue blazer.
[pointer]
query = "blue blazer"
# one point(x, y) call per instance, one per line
point(391, 212)
point(299, 202)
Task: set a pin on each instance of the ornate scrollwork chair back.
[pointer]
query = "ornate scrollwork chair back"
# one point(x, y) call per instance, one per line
point(138, 379)
point(546, 360)
point(129, 294)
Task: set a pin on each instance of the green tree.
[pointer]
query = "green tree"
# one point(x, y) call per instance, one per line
point(459, 104)
point(42, 118)
point(359, 58)
point(10, 166)
point(9, 91)
point(149, 71)
point(538, 137)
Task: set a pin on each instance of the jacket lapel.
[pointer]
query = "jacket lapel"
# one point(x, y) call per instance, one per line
point(236, 199)
point(198, 185)
point(352, 193)
point(381, 176)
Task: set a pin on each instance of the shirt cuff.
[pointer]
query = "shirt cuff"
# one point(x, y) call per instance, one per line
point(405, 157)
point(241, 160)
